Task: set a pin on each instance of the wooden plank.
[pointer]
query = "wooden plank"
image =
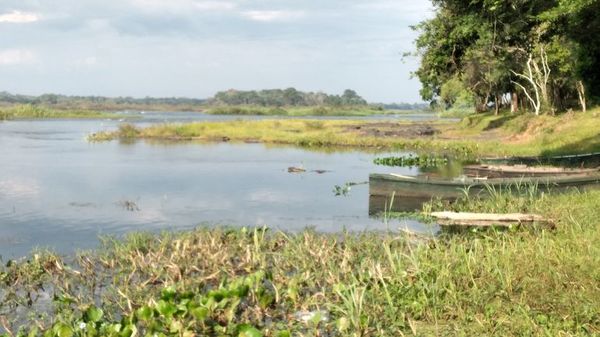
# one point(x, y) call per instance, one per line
point(487, 216)
point(489, 220)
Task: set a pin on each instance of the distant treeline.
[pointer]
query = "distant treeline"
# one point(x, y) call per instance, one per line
point(273, 98)
point(102, 103)
point(405, 106)
point(286, 97)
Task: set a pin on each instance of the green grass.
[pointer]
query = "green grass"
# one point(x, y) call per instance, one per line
point(532, 135)
point(300, 111)
point(37, 112)
point(519, 282)
point(477, 135)
point(304, 133)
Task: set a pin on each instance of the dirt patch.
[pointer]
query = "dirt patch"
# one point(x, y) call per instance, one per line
point(533, 129)
point(395, 130)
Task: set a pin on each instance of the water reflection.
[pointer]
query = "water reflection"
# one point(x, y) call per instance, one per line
point(59, 191)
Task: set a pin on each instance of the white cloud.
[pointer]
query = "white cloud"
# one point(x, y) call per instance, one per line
point(16, 56)
point(19, 17)
point(183, 5)
point(414, 10)
point(214, 5)
point(269, 16)
point(90, 61)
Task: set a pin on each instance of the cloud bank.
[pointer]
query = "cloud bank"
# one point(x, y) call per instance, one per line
point(197, 47)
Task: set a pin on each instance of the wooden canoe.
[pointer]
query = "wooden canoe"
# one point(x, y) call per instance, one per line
point(586, 160)
point(383, 186)
point(518, 171)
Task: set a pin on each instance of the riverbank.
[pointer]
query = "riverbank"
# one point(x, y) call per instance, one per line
point(254, 282)
point(308, 111)
point(477, 135)
point(37, 112)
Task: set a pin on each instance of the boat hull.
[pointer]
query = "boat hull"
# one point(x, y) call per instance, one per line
point(577, 160)
point(402, 193)
point(506, 171)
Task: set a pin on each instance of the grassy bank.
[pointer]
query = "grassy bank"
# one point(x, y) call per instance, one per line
point(304, 133)
point(475, 135)
point(360, 110)
point(37, 112)
point(261, 283)
point(532, 135)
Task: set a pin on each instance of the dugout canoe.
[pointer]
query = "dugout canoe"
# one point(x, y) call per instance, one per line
point(585, 160)
point(386, 185)
point(518, 171)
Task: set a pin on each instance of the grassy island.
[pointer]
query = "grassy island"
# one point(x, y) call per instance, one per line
point(482, 134)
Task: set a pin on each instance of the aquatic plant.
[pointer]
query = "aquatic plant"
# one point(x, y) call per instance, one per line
point(412, 161)
point(345, 189)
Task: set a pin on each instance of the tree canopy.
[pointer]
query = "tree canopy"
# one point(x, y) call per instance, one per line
point(544, 54)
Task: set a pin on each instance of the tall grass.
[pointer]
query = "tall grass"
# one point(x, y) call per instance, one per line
point(530, 283)
point(37, 112)
point(479, 135)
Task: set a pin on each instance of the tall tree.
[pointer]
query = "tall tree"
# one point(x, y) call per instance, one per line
point(491, 45)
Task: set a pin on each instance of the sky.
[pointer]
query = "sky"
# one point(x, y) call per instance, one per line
point(194, 48)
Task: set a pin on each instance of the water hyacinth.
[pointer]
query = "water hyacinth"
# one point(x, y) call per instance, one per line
point(423, 161)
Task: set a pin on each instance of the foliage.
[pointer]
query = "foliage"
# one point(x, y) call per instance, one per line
point(412, 161)
point(485, 45)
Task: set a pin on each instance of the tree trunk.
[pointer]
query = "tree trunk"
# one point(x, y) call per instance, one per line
point(496, 105)
point(514, 104)
point(581, 93)
point(482, 106)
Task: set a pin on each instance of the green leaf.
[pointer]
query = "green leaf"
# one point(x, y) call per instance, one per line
point(144, 313)
point(63, 330)
point(165, 308)
point(128, 331)
point(283, 333)
point(93, 315)
point(168, 293)
point(246, 330)
point(199, 313)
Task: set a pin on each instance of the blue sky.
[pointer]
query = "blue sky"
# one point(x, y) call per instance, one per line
point(195, 48)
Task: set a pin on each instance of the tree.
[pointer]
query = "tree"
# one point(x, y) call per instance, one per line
point(548, 51)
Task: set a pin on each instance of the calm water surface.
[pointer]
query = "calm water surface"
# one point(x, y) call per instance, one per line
point(59, 191)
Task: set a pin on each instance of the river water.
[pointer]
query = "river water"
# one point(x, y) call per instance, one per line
point(60, 192)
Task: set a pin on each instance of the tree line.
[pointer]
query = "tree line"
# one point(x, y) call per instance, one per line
point(74, 101)
point(286, 97)
point(536, 55)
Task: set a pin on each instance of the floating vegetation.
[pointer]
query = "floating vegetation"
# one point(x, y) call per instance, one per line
point(293, 169)
point(129, 205)
point(173, 313)
point(412, 161)
point(345, 189)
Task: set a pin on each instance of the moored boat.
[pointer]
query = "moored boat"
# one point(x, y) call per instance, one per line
point(517, 171)
point(580, 160)
point(398, 191)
